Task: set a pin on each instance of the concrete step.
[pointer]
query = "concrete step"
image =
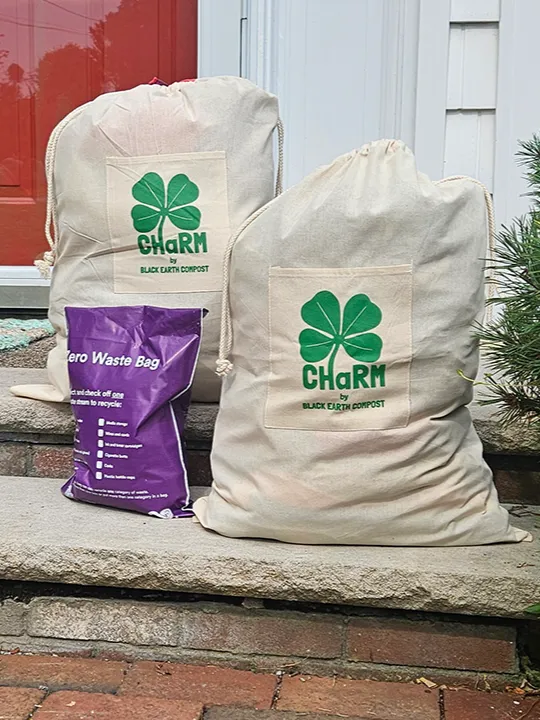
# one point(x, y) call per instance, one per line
point(34, 417)
point(21, 416)
point(36, 440)
point(47, 538)
point(92, 581)
point(33, 356)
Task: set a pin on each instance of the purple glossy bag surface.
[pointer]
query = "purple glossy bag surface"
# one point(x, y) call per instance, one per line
point(131, 371)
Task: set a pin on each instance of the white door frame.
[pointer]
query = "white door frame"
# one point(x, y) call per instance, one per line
point(344, 72)
point(220, 35)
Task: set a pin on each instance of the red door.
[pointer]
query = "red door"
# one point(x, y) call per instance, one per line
point(56, 55)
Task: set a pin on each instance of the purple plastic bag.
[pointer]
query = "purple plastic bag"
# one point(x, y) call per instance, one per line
point(131, 371)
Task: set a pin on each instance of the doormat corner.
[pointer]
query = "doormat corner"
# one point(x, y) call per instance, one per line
point(16, 334)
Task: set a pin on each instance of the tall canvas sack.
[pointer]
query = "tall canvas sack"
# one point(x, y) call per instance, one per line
point(145, 188)
point(343, 419)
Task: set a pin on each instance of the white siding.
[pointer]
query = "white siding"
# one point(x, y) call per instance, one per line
point(475, 11)
point(452, 78)
point(518, 105)
point(456, 112)
point(485, 68)
point(472, 66)
point(470, 145)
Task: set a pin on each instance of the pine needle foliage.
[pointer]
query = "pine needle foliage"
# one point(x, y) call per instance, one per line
point(511, 343)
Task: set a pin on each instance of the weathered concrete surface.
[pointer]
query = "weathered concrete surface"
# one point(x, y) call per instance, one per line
point(33, 356)
point(45, 537)
point(519, 438)
point(110, 621)
point(24, 416)
point(19, 415)
point(12, 618)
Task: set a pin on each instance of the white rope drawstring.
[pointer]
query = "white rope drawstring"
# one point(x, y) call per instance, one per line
point(45, 264)
point(491, 237)
point(281, 144)
point(51, 218)
point(223, 364)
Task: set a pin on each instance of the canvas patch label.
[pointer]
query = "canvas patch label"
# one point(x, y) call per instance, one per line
point(168, 221)
point(340, 348)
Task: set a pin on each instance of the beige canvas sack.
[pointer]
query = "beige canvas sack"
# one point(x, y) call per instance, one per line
point(145, 188)
point(343, 419)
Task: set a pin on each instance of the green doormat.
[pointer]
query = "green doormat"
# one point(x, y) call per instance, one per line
point(16, 334)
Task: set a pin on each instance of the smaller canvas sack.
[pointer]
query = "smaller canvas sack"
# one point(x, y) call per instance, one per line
point(131, 371)
point(353, 299)
point(145, 187)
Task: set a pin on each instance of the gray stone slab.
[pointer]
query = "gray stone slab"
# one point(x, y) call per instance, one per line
point(12, 618)
point(33, 356)
point(228, 713)
point(45, 537)
point(24, 416)
point(19, 415)
point(105, 620)
point(519, 438)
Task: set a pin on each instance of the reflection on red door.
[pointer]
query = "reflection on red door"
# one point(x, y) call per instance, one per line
point(56, 55)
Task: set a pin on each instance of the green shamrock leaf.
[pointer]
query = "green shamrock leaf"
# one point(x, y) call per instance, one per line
point(149, 190)
point(314, 346)
point(359, 316)
point(181, 192)
point(327, 333)
point(155, 207)
point(322, 312)
point(364, 348)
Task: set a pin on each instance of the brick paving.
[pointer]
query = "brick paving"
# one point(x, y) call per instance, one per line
point(208, 685)
point(71, 688)
point(83, 706)
point(493, 706)
point(18, 703)
point(363, 698)
point(432, 644)
point(59, 673)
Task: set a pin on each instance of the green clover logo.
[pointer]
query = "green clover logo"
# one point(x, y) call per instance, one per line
point(155, 207)
point(328, 331)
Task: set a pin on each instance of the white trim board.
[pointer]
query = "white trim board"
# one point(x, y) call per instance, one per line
point(518, 107)
point(22, 287)
point(344, 73)
point(219, 37)
point(17, 275)
point(431, 90)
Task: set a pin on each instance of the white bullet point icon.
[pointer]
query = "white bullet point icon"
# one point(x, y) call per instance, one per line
point(101, 433)
point(100, 453)
point(99, 464)
point(99, 476)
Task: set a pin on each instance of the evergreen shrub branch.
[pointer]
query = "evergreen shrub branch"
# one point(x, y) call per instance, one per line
point(511, 343)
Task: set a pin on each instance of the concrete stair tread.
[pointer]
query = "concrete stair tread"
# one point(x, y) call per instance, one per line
point(21, 415)
point(47, 538)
